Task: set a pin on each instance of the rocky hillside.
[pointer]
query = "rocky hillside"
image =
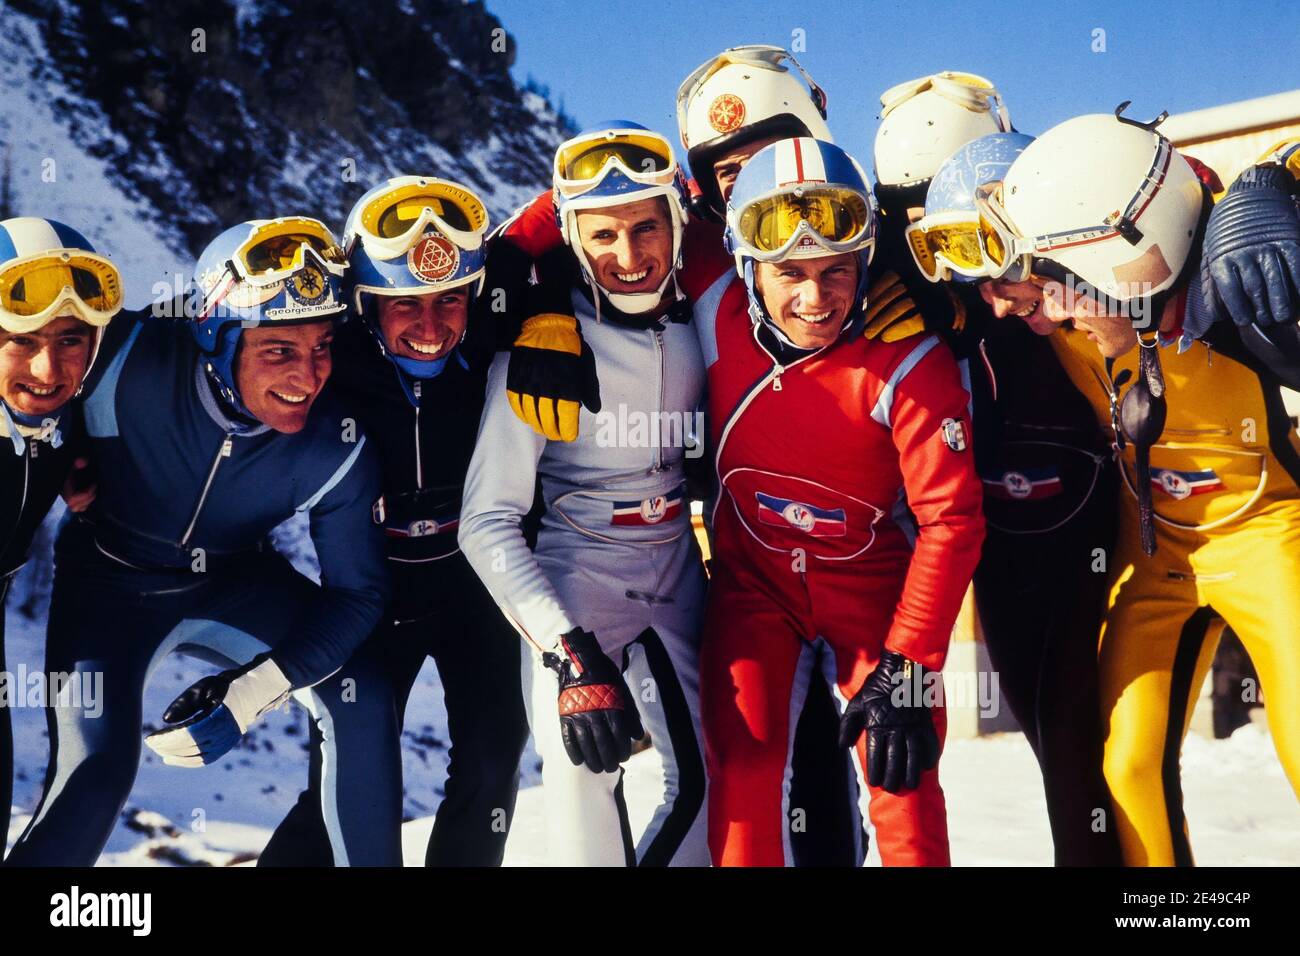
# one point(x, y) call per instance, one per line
point(198, 114)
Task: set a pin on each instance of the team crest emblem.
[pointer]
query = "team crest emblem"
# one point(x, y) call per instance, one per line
point(727, 113)
point(954, 434)
point(433, 259)
point(799, 516)
point(1175, 485)
point(308, 286)
point(1017, 484)
point(378, 512)
point(654, 509)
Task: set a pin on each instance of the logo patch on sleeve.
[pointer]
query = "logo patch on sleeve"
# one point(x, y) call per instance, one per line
point(954, 434)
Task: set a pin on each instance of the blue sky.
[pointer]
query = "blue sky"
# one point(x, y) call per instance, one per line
point(624, 59)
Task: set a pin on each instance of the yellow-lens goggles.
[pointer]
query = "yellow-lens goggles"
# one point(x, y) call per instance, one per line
point(582, 162)
point(275, 249)
point(837, 215)
point(954, 244)
point(403, 212)
point(991, 244)
point(38, 284)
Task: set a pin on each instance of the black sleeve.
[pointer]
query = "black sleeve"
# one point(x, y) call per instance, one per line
point(1274, 351)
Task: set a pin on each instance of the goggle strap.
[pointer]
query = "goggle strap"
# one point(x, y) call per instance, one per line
point(219, 293)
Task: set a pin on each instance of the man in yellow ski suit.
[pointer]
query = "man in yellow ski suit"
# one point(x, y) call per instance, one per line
point(1223, 473)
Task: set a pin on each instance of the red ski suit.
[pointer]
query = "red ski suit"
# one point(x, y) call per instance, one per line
point(823, 464)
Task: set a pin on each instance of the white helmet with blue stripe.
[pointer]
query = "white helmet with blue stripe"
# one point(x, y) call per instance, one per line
point(49, 270)
point(801, 198)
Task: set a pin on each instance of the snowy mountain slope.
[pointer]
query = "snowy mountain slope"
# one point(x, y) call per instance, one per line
point(167, 122)
point(49, 174)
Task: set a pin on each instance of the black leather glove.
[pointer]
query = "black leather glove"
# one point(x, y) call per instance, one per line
point(598, 721)
point(1251, 259)
point(901, 739)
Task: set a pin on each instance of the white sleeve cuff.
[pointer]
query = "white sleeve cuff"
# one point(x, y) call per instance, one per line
point(253, 694)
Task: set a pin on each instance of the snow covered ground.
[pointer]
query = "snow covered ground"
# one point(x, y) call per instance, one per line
point(1240, 807)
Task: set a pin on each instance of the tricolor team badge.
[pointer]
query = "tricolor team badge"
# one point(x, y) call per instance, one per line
point(786, 513)
point(442, 521)
point(648, 511)
point(1183, 484)
point(433, 259)
point(1032, 483)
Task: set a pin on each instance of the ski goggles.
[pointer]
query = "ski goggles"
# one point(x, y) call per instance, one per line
point(281, 248)
point(35, 288)
point(947, 241)
point(393, 221)
point(1014, 257)
point(967, 90)
point(804, 222)
point(642, 156)
point(759, 56)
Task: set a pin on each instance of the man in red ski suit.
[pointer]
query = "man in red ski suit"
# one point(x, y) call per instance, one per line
point(849, 514)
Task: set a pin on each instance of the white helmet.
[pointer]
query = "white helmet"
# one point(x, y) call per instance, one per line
point(614, 163)
point(924, 121)
point(741, 95)
point(1106, 199)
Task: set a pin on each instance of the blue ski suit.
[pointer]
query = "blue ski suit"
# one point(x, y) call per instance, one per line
point(173, 555)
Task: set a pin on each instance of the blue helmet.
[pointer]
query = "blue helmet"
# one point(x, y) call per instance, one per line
point(414, 235)
point(800, 198)
point(266, 271)
point(944, 241)
point(610, 164)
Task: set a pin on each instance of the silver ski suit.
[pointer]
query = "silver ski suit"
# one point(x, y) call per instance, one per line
point(615, 555)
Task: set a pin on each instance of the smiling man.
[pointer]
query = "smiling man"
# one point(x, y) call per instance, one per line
point(611, 599)
point(849, 518)
point(205, 434)
point(413, 363)
point(56, 296)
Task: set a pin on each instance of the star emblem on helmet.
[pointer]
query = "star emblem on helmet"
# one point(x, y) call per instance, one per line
point(727, 113)
point(308, 285)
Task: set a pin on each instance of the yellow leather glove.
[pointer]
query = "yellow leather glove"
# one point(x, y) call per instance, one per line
point(552, 373)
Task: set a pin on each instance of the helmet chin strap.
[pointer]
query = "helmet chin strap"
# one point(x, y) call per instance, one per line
point(629, 303)
point(638, 303)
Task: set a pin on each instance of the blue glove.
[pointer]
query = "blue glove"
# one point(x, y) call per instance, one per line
point(1251, 260)
point(206, 721)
